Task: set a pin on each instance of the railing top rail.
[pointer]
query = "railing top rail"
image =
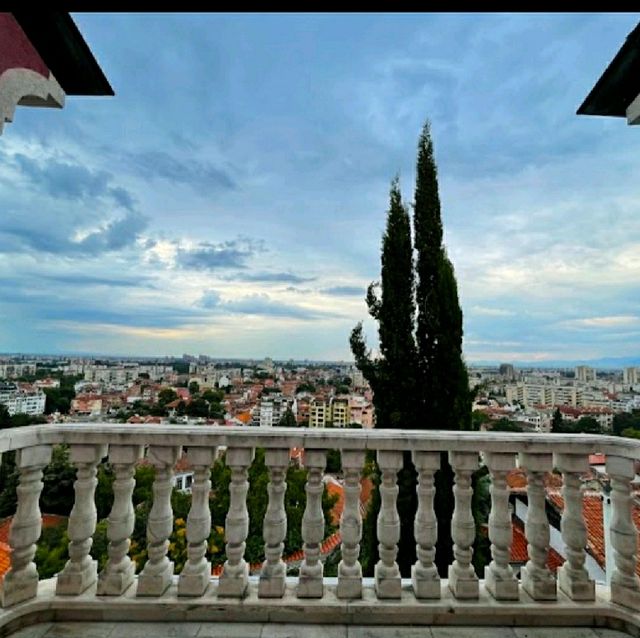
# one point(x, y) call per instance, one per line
point(314, 438)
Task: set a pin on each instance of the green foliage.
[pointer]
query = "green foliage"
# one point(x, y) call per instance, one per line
point(58, 477)
point(52, 551)
point(557, 423)
point(478, 419)
point(481, 508)
point(392, 376)
point(197, 408)
point(194, 387)
point(505, 425)
point(166, 395)
point(626, 421)
point(288, 420)
point(5, 418)
point(306, 387)
point(59, 399)
point(334, 462)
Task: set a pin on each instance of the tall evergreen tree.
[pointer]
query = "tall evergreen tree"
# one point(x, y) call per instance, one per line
point(444, 400)
point(391, 374)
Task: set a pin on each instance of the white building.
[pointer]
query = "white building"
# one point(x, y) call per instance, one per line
point(585, 374)
point(22, 400)
point(630, 376)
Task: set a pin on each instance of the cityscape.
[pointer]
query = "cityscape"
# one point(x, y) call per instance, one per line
point(266, 393)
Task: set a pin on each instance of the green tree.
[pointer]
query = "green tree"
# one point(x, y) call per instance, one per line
point(505, 425)
point(444, 399)
point(166, 395)
point(5, 418)
point(288, 420)
point(557, 422)
point(391, 375)
point(194, 387)
point(420, 346)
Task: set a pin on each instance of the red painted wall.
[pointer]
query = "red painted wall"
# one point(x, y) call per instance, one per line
point(16, 51)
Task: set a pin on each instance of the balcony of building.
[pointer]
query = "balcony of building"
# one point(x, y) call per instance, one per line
point(200, 599)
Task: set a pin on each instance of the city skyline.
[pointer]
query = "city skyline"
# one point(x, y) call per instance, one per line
point(230, 198)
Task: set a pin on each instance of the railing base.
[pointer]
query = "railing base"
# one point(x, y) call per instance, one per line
point(329, 610)
point(626, 597)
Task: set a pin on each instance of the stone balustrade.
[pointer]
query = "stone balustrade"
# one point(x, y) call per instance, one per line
point(125, 445)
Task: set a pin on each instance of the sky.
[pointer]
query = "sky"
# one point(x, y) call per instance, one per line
point(230, 199)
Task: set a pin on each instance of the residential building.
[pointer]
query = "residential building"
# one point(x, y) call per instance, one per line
point(585, 374)
point(22, 398)
point(630, 376)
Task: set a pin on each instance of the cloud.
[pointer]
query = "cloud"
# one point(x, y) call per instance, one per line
point(344, 291)
point(211, 256)
point(492, 312)
point(270, 277)
point(202, 176)
point(615, 321)
point(258, 304)
point(70, 180)
point(73, 279)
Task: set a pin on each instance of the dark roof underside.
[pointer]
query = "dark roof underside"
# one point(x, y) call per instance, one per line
point(61, 45)
point(619, 84)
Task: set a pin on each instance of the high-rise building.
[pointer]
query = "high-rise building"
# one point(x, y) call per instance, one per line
point(630, 376)
point(585, 374)
point(507, 371)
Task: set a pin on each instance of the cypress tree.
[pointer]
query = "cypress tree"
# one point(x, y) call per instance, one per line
point(390, 375)
point(444, 400)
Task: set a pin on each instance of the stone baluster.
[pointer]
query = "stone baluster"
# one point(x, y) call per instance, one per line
point(119, 572)
point(234, 579)
point(463, 581)
point(424, 574)
point(21, 581)
point(500, 580)
point(349, 569)
point(573, 578)
point(536, 578)
point(625, 585)
point(310, 581)
point(387, 572)
point(157, 574)
point(196, 574)
point(274, 530)
point(81, 571)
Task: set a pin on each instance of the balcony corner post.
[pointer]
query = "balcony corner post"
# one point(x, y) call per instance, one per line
point(625, 585)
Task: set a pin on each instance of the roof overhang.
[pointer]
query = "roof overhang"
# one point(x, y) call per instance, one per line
point(617, 92)
point(60, 44)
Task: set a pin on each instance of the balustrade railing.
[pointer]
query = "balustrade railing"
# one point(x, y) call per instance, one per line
point(125, 445)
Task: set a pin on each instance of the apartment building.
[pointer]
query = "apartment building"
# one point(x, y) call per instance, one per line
point(22, 399)
point(585, 374)
point(630, 376)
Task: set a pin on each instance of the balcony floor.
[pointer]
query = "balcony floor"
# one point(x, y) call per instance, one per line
point(274, 630)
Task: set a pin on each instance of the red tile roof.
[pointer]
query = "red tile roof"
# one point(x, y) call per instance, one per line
point(519, 553)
